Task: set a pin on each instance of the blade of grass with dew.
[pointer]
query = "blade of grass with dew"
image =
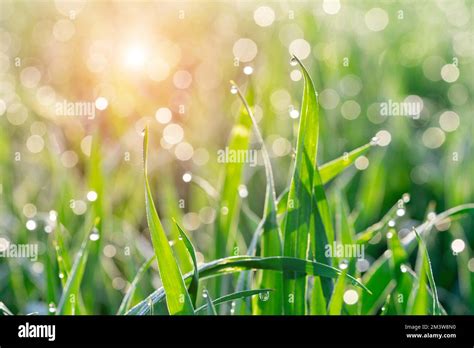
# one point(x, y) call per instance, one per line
point(228, 213)
point(333, 168)
point(300, 203)
point(377, 279)
point(172, 212)
point(271, 244)
point(235, 264)
point(211, 309)
point(429, 273)
point(194, 285)
point(177, 297)
point(235, 296)
point(335, 304)
point(127, 299)
point(69, 298)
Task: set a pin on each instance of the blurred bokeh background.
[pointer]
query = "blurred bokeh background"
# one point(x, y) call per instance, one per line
point(118, 66)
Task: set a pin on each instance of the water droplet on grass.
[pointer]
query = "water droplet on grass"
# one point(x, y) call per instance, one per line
point(234, 89)
point(52, 308)
point(94, 236)
point(293, 61)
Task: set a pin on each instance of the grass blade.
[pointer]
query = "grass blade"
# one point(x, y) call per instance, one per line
point(194, 285)
point(300, 205)
point(235, 264)
point(211, 309)
point(333, 168)
point(335, 305)
point(125, 305)
point(271, 237)
point(177, 297)
point(67, 303)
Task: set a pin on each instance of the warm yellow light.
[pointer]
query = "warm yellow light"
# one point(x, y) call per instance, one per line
point(135, 57)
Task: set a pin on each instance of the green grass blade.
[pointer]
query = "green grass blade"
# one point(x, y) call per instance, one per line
point(177, 297)
point(271, 244)
point(194, 285)
point(125, 305)
point(333, 168)
point(429, 273)
point(318, 300)
point(300, 205)
point(335, 305)
point(172, 211)
point(69, 298)
point(211, 309)
point(235, 264)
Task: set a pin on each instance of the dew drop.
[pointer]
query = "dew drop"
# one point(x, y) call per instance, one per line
point(52, 308)
point(248, 70)
point(143, 132)
point(400, 212)
point(374, 141)
point(403, 268)
point(391, 223)
point(343, 264)
point(204, 294)
point(61, 275)
point(234, 89)
point(94, 236)
point(406, 197)
point(187, 177)
point(293, 61)
point(180, 238)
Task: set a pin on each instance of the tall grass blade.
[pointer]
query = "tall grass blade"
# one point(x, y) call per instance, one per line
point(300, 203)
point(271, 244)
point(177, 297)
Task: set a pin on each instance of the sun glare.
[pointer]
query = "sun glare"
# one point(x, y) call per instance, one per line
point(134, 56)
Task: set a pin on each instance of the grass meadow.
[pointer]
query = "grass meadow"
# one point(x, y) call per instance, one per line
point(237, 158)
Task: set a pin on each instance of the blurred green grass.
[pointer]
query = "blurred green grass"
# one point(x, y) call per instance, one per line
point(389, 64)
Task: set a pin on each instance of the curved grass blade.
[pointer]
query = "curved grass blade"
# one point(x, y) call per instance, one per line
point(271, 237)
point(194, 285)
point(235, 296)
point(177, 297)
point(333, 168)
point(235, 264)
point(125, 305)
point(300, 203)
